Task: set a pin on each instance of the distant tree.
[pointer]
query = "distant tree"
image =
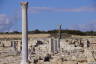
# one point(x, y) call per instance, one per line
point(52, 31)
point(74, 32)
point(36, 31)
point(15, 32)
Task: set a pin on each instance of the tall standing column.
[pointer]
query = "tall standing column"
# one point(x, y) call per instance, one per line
point(59, 38)
point(59, 33)
point(24, 6)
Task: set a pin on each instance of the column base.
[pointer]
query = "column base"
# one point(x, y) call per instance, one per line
point(24, 62)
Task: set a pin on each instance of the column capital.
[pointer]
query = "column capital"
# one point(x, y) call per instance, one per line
point(25, 4)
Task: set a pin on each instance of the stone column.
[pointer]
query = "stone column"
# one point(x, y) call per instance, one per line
point(55, 49)
point(55, 46)
point(14, 45)
point(24, 6)
point(19, 46)
point(58, 45)
point(50, 45)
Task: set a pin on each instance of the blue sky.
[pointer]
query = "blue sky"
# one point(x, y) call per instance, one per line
point(47, 14)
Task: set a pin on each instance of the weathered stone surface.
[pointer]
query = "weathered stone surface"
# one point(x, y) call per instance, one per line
point(71, 52)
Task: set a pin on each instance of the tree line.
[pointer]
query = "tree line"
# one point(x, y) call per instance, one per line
point(72, 32)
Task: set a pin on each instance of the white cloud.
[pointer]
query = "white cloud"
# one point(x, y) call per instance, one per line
point(84, 27)
point(5, 23)
point(48, 9)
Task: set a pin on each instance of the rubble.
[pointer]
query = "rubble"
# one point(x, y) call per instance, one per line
point(42, 51)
